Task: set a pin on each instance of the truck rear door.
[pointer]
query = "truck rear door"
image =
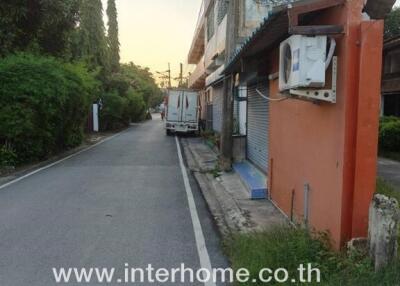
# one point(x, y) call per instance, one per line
point(175, 106)
point(190, 106)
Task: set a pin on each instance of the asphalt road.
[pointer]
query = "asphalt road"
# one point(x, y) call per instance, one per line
point(123, 201)
point(389, 170)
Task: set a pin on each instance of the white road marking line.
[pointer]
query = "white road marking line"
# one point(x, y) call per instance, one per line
point(198, 231)
point(57, 162)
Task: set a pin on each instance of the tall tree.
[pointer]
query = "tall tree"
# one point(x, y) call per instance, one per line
point(92, 39)
point(113, 35)
point(41, 25)
point(392, 24)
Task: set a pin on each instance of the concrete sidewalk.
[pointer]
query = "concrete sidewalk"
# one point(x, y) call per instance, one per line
point(389, 170)
point(226, 195)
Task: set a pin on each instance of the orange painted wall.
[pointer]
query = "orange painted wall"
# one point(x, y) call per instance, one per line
point(316, 143)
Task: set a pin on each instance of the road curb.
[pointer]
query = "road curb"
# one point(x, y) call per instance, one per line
point(228, 216)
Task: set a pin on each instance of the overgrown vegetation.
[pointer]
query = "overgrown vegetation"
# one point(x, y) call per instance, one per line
point(8, 157)
point(289, 247)
point(212, 139)
point(389, 137)
point(55, 61)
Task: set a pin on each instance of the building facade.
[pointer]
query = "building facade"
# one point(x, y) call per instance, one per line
point(319, 158)
point(391, 78)
point(208, 53)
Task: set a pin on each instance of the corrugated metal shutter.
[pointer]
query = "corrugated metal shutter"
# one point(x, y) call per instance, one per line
point(217, 108)
point(258, 126)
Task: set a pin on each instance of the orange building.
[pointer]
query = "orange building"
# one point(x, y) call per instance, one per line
point(322, 156)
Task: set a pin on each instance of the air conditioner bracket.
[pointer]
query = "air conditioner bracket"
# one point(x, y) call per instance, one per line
point(327, 95)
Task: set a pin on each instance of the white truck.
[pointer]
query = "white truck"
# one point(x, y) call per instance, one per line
point(182, 111)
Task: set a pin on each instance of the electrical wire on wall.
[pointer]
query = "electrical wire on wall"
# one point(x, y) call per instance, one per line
point(269, 98)
point(266, 97)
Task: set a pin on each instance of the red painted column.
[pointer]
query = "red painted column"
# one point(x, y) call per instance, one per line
point(371, 46)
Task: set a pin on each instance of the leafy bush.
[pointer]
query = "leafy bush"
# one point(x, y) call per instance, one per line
point(8, 158)
point(387, 119)
point(148, 116)
point(389, 134)
point(43, 105)
point(136, 106)
point(117, 82)
point(113, 115)
point(118, 111)
point(82, 88)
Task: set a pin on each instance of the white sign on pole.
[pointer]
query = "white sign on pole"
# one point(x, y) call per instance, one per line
point(95, 117)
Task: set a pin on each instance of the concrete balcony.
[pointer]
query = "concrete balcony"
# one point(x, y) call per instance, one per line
point(198, 78)
point(214, 55)
point(197, 48)
point(215, 76)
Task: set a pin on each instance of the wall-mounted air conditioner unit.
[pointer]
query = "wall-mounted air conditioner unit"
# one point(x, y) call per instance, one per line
point(302, 62)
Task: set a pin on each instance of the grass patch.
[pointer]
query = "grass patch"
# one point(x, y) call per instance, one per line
point(211, 138)
point(385, 188)
point(289, 247)
point(216, 172)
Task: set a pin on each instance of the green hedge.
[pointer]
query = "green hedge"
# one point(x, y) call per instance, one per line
point(136, 108)
point(118, 111)
point(389, 134)
point(44, 105)
point(113, 115)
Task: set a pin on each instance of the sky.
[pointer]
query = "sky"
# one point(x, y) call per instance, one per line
point(155, 32)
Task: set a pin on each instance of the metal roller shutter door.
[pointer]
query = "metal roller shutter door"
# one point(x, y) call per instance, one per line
point(258, 126)
point(217, 108)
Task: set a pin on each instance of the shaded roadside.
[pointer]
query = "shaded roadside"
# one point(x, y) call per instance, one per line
point(9, 174)
point(389, 170)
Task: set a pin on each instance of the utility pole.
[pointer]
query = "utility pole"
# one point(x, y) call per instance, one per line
point(181, 76)
point(169, 75)
point(229, 81)
point(166, 76)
